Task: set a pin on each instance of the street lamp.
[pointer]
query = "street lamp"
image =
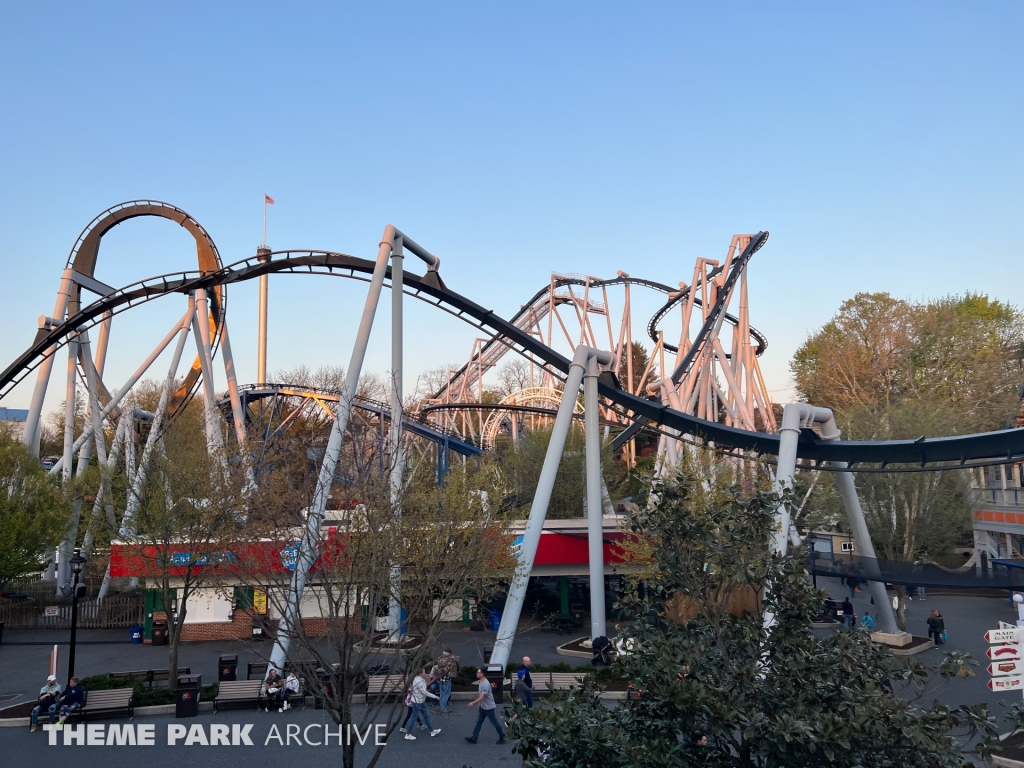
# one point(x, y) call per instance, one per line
point(77, 563)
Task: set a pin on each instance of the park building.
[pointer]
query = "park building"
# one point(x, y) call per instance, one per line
point(13, 420)
point(998, 513)
point(226, 605)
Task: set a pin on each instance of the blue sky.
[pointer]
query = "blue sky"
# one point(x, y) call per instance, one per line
point(880, 144)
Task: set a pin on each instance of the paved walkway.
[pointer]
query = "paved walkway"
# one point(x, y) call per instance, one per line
point(24, 653)
point(23, 664)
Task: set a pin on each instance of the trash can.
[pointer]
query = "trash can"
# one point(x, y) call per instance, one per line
point(159, 633)
point(496, 676)
point(227, 668)
point(186, 697)
point(136, 634)
point(494, 621)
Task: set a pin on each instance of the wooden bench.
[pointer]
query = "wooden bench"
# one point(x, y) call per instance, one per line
point(545, 683)
point(238, 692)
point(385, 685)
point(148, 676)
point(106, 703)
point(259, 668)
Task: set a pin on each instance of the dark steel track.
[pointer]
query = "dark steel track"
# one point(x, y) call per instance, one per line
point(963, 450)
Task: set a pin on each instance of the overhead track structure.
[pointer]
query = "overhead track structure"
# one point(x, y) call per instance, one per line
point(988, 448)
point(716, 375)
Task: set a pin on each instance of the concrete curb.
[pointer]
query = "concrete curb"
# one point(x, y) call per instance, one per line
point(207, 706)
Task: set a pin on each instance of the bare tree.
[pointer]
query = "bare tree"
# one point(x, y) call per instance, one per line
point(450, 542)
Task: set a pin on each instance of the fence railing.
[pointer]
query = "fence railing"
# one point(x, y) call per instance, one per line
point(1000, 497)
point(120, 611)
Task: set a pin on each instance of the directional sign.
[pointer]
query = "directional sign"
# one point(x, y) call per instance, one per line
point(999, 652)
point(1004, 635)
point(1009, 683)
point(1005, 667)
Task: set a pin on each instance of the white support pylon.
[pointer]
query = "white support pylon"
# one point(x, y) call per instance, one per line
point(539, 508)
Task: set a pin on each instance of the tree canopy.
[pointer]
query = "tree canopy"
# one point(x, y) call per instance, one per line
point(33, 511)
point(707, 666)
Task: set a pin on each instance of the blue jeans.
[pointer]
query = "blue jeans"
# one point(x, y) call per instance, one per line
point(423, 715)
point(487, 714)
point(39, 708)
point(446, 694)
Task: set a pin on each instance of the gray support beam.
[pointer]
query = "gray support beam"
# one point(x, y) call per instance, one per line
point(397, 454)
point(310, 544)
point(595, 506)
point(797, 416)
point(30, 436)
point(539, 508)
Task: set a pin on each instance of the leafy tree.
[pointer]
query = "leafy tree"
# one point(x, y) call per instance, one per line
point(640, 359)
point(707, 665)
point(893, 369)
point(33, 511)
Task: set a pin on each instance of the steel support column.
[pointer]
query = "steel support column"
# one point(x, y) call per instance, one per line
point(539, 508)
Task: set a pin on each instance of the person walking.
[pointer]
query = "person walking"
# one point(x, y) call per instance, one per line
point(447, 668)
point(847, 613)
point(420, 694)
point(524, 683)
point(936, 627)
point(487, 707)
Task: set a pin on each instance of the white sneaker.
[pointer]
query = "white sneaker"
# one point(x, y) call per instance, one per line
point(280, 709)
point(435, 732)
point(410, 737)
point(402, 730)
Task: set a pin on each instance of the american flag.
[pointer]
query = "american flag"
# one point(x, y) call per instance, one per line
point(268, 199)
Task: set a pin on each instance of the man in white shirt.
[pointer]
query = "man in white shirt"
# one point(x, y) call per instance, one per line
point(48, 696)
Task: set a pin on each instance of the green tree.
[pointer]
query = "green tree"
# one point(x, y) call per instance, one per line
point(33, 511)
point(708, 666)
point(892, 369)
point(640, 359)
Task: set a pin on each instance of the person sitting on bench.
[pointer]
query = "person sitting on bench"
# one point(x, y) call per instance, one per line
point(47, 700)
point(291, 688)
point(71, 701)
point(272, 690)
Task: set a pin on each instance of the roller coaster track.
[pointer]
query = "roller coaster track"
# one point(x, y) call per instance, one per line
point(493, 350)
point(963, 450)
point(436, 434)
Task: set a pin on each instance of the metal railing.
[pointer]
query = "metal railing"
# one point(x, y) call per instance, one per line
point(118, 612)
point(999, 497)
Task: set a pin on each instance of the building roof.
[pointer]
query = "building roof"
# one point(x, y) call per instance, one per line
point(13, 414)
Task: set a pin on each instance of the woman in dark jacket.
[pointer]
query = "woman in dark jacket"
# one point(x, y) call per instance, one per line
point(936, 627)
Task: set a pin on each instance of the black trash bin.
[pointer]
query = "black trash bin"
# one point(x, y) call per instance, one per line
point(159, 633)
point(186, 697)
point(496, 675)
point(227, 668)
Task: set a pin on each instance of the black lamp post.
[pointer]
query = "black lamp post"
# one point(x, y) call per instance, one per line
point(77, 564)
point(812, 551)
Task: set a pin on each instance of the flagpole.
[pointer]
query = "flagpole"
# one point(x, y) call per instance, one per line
point(264, 219)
